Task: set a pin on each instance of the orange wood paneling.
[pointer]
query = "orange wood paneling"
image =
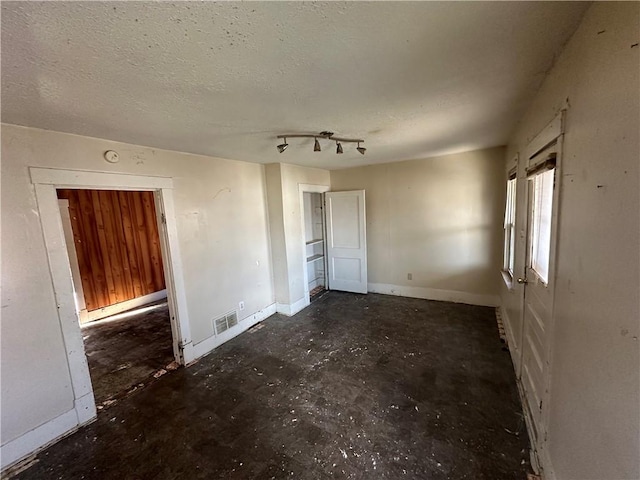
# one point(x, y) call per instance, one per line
point(117, 244)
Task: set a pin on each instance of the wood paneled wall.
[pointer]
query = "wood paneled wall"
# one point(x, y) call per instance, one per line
point(117, 244)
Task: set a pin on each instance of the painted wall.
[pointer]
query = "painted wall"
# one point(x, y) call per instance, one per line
point(438, 219)
point(285, 219)
point(273, 174)
point(223, 237)
point(292, 177)
point(594, 409)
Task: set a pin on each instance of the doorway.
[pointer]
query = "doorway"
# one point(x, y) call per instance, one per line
point(46, 181)
point(314, 244)
point(114, 249)
point(334, 240)
point(543, 178)
point(538, 281)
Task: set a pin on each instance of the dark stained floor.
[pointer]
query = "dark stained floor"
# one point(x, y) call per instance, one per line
point(355, 386)
point(124, 353)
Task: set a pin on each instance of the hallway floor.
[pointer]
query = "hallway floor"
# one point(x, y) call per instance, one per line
point(127, 349)
point(355, 386)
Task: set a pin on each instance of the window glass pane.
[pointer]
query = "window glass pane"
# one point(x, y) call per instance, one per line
point(541, 223)
point(509, 227)
point(512, 249)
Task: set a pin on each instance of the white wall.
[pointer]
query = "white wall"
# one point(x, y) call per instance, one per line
point(223, 236)
point(285, 218)
point(439, 219)
point(273, 173)
point(292, 177)
point(594, 416)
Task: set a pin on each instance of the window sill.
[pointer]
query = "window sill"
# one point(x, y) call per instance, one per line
point(508, 279)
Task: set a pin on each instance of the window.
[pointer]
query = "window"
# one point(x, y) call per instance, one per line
point(510, 227)
point(541, 222)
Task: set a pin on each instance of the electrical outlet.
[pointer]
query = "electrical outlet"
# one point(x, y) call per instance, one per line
point(409, 276)
point(241, 305)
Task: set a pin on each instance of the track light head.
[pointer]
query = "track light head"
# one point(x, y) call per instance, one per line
point(283, 146)
point(316, 143)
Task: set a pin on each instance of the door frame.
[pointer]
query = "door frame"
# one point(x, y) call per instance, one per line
point(81, 306)
point(45, 182)
point(551, 136)
point(302, 189)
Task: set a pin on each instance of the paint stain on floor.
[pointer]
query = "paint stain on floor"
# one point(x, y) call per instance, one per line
point(355, 386)
point(125, 354)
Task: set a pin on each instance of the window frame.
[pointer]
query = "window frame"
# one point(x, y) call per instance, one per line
point(535, 221)
point(509, 229)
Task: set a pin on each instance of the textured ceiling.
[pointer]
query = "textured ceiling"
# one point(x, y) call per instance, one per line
point(413, 79)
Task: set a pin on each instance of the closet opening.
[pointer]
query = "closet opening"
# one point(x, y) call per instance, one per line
point(314, 237)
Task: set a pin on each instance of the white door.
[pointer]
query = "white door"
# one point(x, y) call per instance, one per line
point(346, 241)
point(539, 282)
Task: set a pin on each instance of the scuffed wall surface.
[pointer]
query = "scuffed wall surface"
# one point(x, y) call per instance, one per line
point(292, 177)
point(273, 175)
point(438, 219)
point(223, 236)
point(594, 421)
point(32, 353)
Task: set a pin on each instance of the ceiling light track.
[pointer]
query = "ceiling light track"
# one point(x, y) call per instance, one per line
point(316, 144)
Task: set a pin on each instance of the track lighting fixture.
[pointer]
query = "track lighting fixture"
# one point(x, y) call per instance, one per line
point(316, 143)
point(283, 146)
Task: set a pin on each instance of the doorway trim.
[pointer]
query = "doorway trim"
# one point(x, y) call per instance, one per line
point(45, 182)
point(302, 189)
point(551, 137)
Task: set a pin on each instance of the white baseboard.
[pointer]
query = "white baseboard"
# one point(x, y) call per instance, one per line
point(48, 433)
point(122, 306)
point(435, 294)
point(188, 354)
point(209, 344)
point(85, 407)
point(290, 310)
point(38, 438)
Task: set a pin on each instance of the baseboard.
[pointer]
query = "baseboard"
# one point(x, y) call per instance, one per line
point(290, 310)
point(207, 345)
point(27, 444)
point(85, 407)
point(435, 294)
point(38, 438)
point(122, 306)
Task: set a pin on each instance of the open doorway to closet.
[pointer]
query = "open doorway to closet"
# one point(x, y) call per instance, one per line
point(314, 244)
point(115, 255)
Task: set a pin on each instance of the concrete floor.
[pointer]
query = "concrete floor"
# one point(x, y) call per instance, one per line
point(355, 386)
point(124, 353)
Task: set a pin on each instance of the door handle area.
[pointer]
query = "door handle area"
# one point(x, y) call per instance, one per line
point(522, 281)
